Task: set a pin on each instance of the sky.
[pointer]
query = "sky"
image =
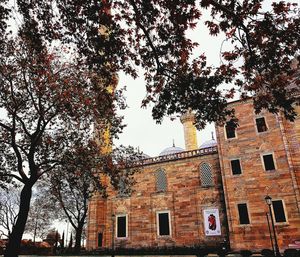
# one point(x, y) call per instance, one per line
point(142, 131)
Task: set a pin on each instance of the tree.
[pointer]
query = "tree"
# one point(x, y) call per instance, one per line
point(70, 246)
point(41, 215)
point(9, 204)
point(62, 244)
point(122, 35)
point(53, 237)
point(49, 103)
point(72, 193)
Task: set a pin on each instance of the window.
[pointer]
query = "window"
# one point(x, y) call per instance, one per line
point(243, 214)
point(230, 130)
point(261, 125)
point(121, 226)
point(269, 162)
point(206, 175)
point(236, 167)
point(161, 181)
point(278, 210)
point(163, 223)
point(100, 239)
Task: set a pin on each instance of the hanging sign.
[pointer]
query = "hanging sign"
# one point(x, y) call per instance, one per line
point(212, 224)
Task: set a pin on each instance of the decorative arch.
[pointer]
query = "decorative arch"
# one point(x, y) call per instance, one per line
point(206, 175)
point(161, 180)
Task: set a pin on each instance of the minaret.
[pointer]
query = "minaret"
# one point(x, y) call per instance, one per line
point(97, 218)
point(190, 136)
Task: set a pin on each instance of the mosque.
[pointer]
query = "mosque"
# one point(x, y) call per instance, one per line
point(201, 196)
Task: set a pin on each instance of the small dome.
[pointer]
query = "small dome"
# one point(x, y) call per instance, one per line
point(209, 143)
point(171, 150)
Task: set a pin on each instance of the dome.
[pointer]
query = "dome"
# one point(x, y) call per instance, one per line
point(171, 150)
point(209, 143)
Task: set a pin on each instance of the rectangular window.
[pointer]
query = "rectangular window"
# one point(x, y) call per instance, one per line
point(163, 221)
point(236, 167)
point(100, 239)
point(230, 130)
point(243, 213)
point(278, 211)
point(261, 125)
point(269, 162)
point(121, 226)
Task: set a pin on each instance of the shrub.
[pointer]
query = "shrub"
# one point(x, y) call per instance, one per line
point(291, 253)
point(267, 253)
point(246, 253)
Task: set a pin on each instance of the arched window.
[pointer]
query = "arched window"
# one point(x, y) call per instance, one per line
point(161, 181)
point(206, 175)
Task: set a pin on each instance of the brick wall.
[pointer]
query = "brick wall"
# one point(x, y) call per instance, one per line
point(184, 198)
point(255, 183)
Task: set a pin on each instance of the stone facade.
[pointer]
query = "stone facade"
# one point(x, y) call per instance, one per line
point(281, 140)
point(185, 201)
point(189, 192)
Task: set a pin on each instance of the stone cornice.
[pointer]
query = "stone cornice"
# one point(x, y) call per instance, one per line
point(176, 156)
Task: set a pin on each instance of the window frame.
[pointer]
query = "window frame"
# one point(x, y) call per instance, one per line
point(238, 214)
point(240, 162)
point(263, 162)
point(126, 226)
point(284, 210)
point(255, 123)
point(157, 223)
point(225, 133)
point(211, 173)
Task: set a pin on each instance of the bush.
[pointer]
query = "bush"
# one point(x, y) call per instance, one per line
point(291, 253)
point(267, 253)
point(246, 253)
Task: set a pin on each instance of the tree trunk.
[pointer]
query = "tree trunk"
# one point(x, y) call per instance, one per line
point(14, 242)
point(78, 235)
point(35, 228)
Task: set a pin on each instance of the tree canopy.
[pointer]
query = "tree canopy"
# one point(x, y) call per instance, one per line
point(50, 105)
point(71, 186)
point(122, 35)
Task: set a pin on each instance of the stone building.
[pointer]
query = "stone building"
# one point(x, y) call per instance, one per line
point(201, 196)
